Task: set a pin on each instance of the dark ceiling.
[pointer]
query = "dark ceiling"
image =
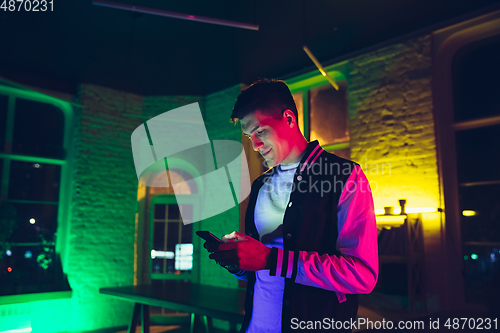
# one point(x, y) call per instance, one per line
point(154, 55)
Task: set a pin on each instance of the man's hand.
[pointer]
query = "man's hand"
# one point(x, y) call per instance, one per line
point(239, 252)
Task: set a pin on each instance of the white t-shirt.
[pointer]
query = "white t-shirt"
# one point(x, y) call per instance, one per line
point(269, 212)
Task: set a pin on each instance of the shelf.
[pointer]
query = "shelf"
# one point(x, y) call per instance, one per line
point(390, 220)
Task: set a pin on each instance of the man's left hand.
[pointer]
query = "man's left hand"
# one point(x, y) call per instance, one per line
point(242, 251)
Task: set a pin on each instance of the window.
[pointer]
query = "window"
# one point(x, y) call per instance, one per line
point(323, 113)
point(477, 140)
point(173, 247)
point(172, 241)
point(32, 170)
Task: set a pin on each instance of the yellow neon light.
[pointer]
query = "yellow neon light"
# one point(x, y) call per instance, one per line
point(421, 210)
point(397, 210)
point(320, 68)
point(390, 220)
point(469, 213)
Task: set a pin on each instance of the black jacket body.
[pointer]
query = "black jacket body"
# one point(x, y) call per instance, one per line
point(309, 224)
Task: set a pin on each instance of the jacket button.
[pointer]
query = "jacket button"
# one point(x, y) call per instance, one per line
point(288, 236)
point(249, 234)
point(290, 204)
point(299, 177)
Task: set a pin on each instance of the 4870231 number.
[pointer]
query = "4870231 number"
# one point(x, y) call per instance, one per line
point(27, 5)
point(472, 323)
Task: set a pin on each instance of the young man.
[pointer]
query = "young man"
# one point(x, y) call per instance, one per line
point(310, 242)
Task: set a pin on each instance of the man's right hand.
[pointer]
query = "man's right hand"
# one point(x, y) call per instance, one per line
point(213, 248)
point(239, 251)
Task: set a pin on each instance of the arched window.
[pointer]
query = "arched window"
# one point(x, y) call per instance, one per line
point(169, 248)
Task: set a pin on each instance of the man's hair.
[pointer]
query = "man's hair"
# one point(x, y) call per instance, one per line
point(271, 97)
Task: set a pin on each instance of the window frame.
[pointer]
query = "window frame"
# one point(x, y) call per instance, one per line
point(447, 42)
point(170, 199)
point(66, 163)
point(145, 219)
point(310, 80)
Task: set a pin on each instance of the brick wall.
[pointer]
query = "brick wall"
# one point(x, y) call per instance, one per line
point(392, 126)
point(104, 205)
point(393, 139)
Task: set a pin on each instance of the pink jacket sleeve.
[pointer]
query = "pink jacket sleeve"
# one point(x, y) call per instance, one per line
point(355, 271)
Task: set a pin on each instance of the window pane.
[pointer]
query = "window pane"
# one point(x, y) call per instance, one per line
point(38, 129)
point(187, 234)
point(173, 212)
point(168, 233)
point(35, 221)
point(160, 212)
point(1, 175)
point(173, 235)
point(482, 223)
point(328, 115)
point(476, 84)
point(28, 269)
point(4, 104)
point(159, 254)
point(299, 103)
point(477, 154)
point(34, 181)
point(481, 271)
point(159, 236)
point(186, 213)
point(184, 257)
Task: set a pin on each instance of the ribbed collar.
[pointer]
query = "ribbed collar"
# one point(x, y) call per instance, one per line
point(310, 153)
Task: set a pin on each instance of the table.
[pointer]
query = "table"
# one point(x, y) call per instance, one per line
point(202, 301)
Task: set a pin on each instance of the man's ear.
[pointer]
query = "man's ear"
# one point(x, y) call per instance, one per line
point(289, 116)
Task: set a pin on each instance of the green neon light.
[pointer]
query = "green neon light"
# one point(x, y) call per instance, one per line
point(337, 146)
point(474, 256)
point(305, 114)
point(314, 79)
point(19, 330)
point(26, 158)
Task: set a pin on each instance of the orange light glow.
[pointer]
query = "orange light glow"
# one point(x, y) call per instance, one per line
point(469, 213)
point(397, 210)
point(9, 269)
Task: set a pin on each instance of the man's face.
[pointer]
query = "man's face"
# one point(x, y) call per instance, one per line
point(270, 137)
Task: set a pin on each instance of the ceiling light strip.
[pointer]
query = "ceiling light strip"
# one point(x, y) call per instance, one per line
point(181, 16)
point(321, 69)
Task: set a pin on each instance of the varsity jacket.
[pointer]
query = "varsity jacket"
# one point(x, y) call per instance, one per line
point(323, 273)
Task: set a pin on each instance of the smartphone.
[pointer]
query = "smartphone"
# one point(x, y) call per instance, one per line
point(208, 236)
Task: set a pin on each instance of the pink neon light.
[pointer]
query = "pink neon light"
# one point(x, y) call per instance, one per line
point(302, 169)
point(279, 265)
